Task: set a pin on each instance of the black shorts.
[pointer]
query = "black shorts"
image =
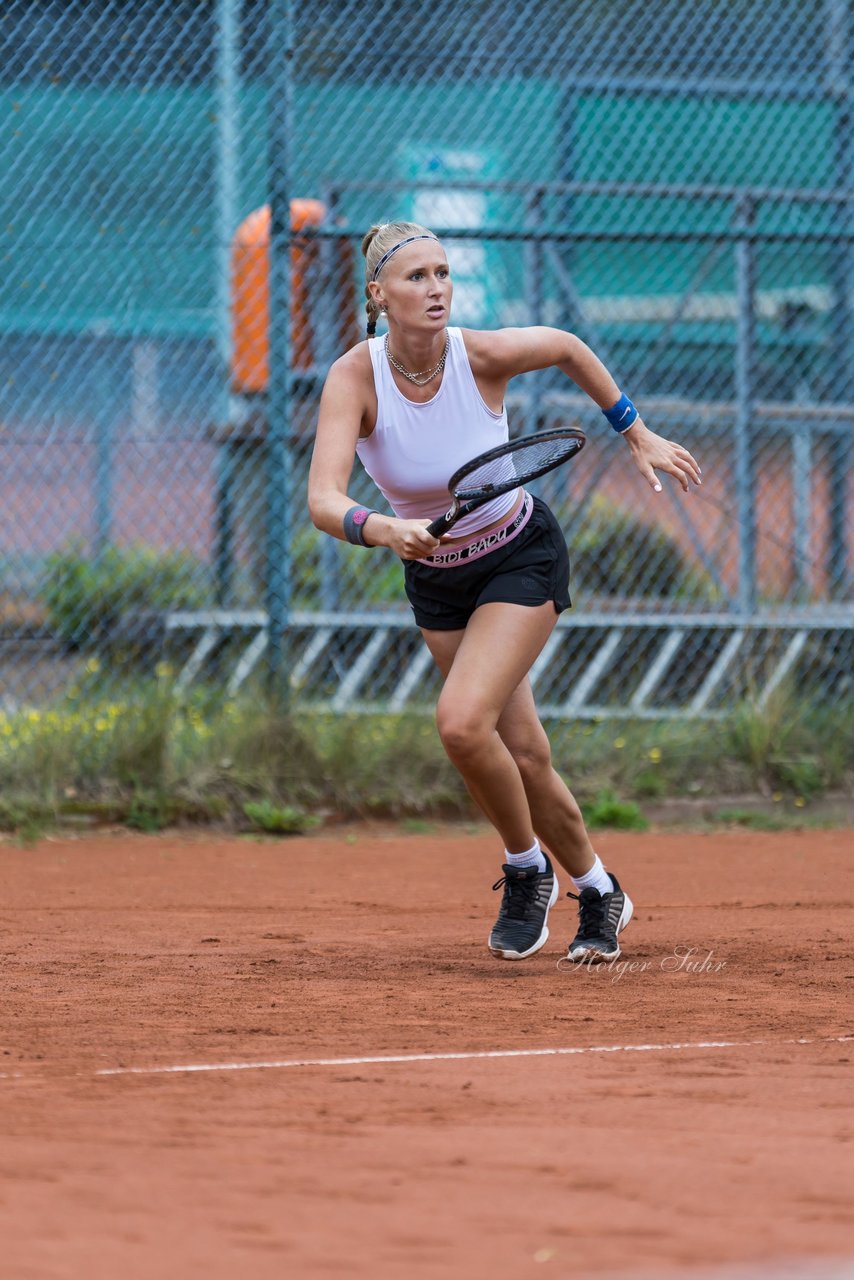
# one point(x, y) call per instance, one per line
point(530, 569)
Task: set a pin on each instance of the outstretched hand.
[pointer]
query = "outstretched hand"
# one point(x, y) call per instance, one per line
point(653, 453)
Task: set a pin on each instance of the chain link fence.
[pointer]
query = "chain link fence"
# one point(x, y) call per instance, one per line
point(672, 182)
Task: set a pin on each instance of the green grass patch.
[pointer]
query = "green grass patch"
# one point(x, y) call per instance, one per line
point(750, 818)
point(609, 811)
point(759, 820)
point(417, 826)
point(279, 820)
point(138, 753)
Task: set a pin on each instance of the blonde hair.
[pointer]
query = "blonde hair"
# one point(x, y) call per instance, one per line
point(379, 241)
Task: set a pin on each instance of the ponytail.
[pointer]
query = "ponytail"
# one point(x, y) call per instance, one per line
point(378, 244)
point(371, 307)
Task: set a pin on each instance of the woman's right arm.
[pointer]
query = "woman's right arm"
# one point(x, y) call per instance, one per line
point(343, 406)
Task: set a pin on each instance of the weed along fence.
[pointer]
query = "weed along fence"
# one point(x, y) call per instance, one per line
point(186, 190)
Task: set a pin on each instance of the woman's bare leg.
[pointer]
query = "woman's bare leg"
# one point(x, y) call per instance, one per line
point(555, 814)
point(489, 727)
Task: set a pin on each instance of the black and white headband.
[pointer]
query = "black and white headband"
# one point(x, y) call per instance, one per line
point(393, 250)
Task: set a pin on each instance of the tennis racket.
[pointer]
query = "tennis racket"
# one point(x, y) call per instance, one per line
point(499, 470)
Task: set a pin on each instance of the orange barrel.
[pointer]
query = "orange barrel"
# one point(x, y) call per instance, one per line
point(250, 295)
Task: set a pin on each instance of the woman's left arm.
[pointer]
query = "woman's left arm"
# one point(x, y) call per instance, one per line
point(507, 352)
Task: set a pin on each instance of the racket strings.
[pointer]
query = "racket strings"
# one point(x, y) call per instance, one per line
point(524, 463)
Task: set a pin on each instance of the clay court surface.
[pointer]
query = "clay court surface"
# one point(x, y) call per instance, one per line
point(698, 1114)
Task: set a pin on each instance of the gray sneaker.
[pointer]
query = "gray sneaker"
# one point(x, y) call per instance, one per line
point(521, 927)
point(601, 916)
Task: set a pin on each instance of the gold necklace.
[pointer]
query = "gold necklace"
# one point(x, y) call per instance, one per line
point(419, 379)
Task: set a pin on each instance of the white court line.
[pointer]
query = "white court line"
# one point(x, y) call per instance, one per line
point(285, 1064)
point(476, 1055)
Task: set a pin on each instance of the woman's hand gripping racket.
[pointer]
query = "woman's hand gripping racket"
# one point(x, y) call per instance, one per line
point(499, 470)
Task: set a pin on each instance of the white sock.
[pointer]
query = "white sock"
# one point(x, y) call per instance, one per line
point(532, 857)
point(596, 878)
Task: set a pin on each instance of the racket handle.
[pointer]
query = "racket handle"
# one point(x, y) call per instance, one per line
point(440, 525)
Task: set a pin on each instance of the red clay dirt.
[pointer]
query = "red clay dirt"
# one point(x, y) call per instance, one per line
point(123, 951)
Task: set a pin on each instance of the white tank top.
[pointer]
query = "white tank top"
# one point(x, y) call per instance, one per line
point(415, 448)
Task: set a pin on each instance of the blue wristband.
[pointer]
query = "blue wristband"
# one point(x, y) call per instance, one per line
point(621, 415)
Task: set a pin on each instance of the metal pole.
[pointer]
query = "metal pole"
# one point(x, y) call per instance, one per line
point(280, 113)
point(839, 444)
point(224, 524)
point(227, 168)
point(104, 447)
point(745, 357)
point(227, 203)
point(326, 339)
point(568, 136)
point(534, 290)
point(325, 316)
point(801, 495)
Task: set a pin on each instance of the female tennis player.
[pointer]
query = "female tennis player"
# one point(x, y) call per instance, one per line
point(414, 406)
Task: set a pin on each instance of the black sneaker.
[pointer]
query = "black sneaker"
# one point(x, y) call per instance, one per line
point(521, 928)
point(601, 916)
